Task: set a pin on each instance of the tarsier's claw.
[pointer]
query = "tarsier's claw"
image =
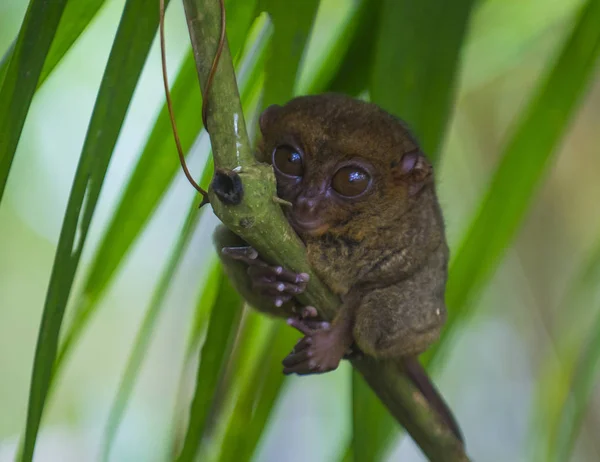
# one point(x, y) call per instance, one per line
point(279, 301)
point(297, 358)
point(302, 277)
point(289, 288)
point(309, 312)
point(305, 312)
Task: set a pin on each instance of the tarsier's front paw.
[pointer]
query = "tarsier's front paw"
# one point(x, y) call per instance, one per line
point(273, 282)
point(321, 350)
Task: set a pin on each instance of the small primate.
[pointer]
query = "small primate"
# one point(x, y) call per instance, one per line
point(363, 201)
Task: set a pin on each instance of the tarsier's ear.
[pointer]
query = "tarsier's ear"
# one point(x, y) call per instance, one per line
point(267, 117)
point(413, 168)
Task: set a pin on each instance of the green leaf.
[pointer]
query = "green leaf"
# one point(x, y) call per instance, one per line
point(205, 302)
point(512, 29)
point(348, 456)
point(352, 77)
point(257, 398)
point(241, 18)
point(245, 380)
point(22, 75)
point(582, 391)
point(373, 428)
point(221, 333)
point(154, 171)
point(75, 19)
point(416, 63)
point(332, 37)
point(282, 340)
point(245, 359)
point(522, 167)
point(292, 23)
point(204, 306)
point(144, 335)
point(5, 61)
point(564, 385)
point(130, 48)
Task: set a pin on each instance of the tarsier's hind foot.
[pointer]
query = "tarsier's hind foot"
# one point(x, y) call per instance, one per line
point(321, 349)
point(271, 282)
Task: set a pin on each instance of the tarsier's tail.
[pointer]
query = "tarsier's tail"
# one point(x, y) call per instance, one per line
point(418, 375)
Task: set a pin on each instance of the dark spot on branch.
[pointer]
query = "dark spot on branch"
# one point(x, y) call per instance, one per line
point(227, 185)
point(247, 222)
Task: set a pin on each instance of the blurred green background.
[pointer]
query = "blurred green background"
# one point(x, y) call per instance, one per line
point(499, 373)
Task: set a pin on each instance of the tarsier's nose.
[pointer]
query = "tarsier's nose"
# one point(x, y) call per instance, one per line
point(306, 216)
point(307, 205)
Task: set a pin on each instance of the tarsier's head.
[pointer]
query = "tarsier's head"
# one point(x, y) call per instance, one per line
point(347, 166)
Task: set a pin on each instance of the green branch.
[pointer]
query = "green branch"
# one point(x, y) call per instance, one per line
point(258, 219)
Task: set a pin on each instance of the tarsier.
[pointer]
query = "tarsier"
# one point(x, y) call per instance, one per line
point(363, 201)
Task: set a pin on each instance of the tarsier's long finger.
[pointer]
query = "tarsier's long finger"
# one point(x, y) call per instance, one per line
point(306, 326)
point(296, 358)
point(275, 288)
point(280, 299)
point(303, 368)
point(246, 254)
point(302, 344)
point(278, 273)
point(290, 276)
point(300, 325)
point(316, 325)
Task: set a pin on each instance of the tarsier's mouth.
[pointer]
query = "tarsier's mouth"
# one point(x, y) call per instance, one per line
point(313, 228)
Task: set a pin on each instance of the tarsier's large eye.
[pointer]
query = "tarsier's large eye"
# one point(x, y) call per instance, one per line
point(288, 161)
point(350, 181)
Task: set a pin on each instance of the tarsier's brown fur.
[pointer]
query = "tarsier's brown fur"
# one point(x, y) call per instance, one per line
point(384, 253)
point(387, 248)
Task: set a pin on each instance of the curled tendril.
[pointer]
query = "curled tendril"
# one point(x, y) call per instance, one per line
point(209, 81)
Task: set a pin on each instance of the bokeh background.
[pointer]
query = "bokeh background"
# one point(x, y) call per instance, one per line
point(495, 367)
